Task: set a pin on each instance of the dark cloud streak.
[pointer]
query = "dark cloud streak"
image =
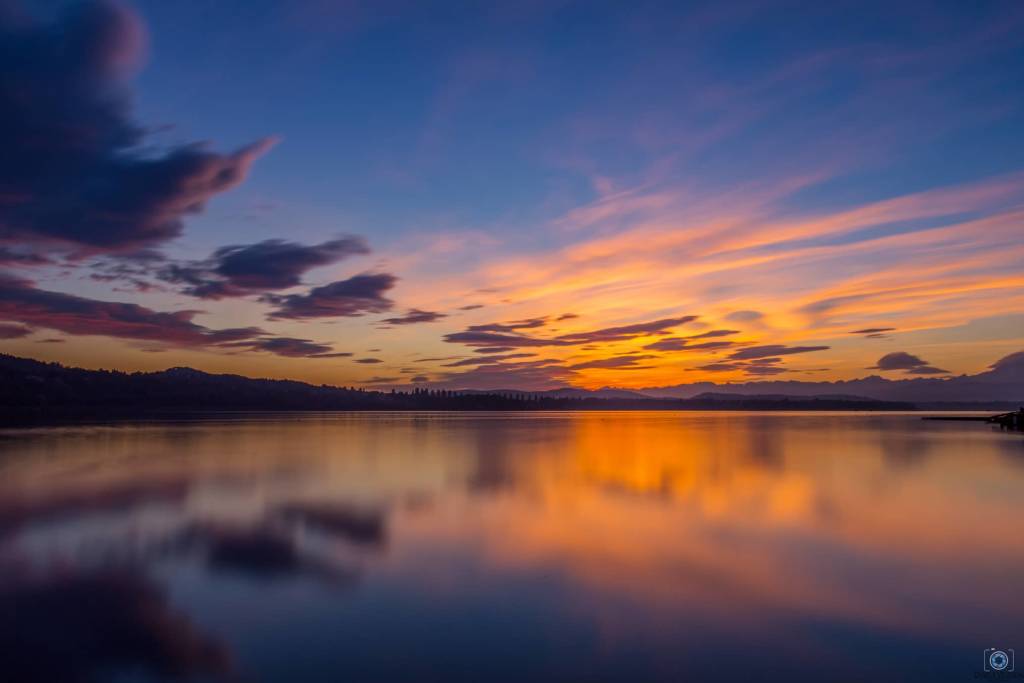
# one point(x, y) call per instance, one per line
point(908, 362)
point(242, 270)
point(768, 350)
point(291, 347)
point(496, 334)
point(415, 316)
point(627, 331)
point(355, 296)
point(22, 302)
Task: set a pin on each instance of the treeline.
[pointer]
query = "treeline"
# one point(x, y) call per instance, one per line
point(33, 389)
point(440, 399)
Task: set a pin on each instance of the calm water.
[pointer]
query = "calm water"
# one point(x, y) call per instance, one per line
point(511, 547)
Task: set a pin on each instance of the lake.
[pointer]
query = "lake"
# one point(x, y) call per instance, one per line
point(639, 546)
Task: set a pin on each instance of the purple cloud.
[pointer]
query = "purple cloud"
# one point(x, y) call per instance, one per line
point(242, 270)
point(22, 302)
point(71, 172)
point(13, 331)
point(497, 334)
point(346, 298)
point(712, 346)
point(683, 344)
point(291, 347)
point(898, 360)
point(763, 370)
point(927, 370)
point(721, 367)
point(909, 363)
point(627, 331)
point(414, 316)
point(768, 350)
point(529, 323)
point(714, 333)
point(667, 344)
point(505, 341)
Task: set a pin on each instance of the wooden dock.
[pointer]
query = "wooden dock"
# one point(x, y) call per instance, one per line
point(1013, 420)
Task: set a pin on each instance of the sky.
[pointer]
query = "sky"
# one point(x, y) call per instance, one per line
point(513, 195)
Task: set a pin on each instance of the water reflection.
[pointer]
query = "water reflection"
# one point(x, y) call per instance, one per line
point(72, 626)
point(509, 547)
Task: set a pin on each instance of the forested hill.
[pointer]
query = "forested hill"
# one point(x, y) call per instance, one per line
point(32, 388)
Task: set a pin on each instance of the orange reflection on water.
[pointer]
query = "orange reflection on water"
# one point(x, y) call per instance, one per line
point(732, 515)
point(654, 529)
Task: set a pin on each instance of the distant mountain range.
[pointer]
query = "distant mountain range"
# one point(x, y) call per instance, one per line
point(33, 389)
point(1002, 383)
point(1002, 386)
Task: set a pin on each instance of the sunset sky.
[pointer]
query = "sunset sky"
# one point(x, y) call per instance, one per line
point(513, 195)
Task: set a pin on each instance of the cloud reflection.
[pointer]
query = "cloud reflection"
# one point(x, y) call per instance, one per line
point(80, 627)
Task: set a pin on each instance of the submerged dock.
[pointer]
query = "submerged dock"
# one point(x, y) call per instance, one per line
point(1013, 420)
